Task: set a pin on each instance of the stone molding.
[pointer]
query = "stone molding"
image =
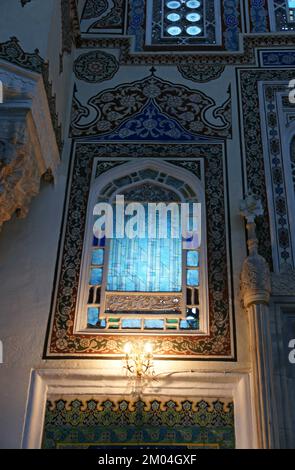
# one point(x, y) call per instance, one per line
point(28, 147)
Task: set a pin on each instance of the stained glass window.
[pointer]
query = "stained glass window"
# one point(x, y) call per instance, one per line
point(146, 283)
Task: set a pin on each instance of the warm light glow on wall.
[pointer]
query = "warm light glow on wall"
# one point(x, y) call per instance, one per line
point(139, 358)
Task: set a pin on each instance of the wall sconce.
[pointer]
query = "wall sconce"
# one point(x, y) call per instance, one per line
point(139, 359)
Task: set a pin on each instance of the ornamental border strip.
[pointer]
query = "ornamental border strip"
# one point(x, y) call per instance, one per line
point(254, 157)
point(246, 57)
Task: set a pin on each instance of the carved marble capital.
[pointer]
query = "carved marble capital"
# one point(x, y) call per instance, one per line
point(28, 147)
point(255, 281)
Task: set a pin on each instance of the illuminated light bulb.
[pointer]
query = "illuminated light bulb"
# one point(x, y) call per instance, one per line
point(148, 348)
point(128, 348)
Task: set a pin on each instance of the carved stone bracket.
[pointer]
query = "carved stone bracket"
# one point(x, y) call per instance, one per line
point(28, 148)
point(255, 276)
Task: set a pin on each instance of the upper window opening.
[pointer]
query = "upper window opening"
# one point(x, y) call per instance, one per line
point(183, 18)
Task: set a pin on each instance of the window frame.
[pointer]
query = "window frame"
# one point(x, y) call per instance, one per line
point(97, 184)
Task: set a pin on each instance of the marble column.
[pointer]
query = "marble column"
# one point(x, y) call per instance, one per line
point(256, 289)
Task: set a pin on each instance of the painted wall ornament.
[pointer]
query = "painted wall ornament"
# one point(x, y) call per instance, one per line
point(11, 51)
point(188, 108)
point(94, 8)
point(95, 66)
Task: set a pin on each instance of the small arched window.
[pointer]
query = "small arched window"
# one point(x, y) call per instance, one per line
point(152, 283)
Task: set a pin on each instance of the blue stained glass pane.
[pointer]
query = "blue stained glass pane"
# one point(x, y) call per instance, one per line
point(95, 241)
point(192, 277)
point(92, 316)
point(291, 3)
point(102, 241)
point(96, 277)
point(130, 323)
point(97, 257)
point(154, 324)
point(102, 324)
point(146, 264)
point(192, 259)
point(189, 324)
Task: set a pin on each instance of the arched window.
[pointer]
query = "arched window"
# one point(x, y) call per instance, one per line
point(149, 283)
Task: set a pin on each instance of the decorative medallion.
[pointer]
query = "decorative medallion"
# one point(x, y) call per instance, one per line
point(201, 73)
point(95, 67)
